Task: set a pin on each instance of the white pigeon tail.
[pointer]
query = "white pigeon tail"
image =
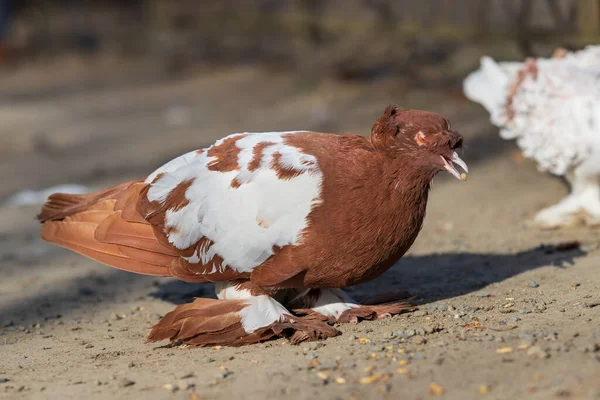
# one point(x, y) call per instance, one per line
point(552, 108)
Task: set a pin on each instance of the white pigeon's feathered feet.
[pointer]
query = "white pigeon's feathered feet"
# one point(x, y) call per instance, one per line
point(334, 305)
point(581, 205)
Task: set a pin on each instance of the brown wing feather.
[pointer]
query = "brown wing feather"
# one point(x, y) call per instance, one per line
point(111, 227)
point(127, 203)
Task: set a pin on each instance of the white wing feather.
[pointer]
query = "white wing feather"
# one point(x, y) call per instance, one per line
point(244, 222)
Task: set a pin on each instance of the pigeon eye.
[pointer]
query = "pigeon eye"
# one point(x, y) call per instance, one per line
point(420, 138)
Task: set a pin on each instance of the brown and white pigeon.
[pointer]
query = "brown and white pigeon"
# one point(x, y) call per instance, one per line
point(280, 221)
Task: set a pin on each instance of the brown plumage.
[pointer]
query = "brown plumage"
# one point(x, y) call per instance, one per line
point(279, 220)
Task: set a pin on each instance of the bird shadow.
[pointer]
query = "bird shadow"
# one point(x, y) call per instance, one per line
point(429, 278)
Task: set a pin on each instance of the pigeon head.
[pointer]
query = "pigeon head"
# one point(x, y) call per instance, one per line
point(425, 136)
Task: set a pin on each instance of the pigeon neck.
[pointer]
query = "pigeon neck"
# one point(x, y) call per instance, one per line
point(408, 175)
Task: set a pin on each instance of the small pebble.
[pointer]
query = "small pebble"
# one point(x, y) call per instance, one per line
point(315, 345)
point(4, 380)
point(418, 340)
point(323, 376)
point(482, 294)
point(182, 384)
point(375, 347)
point(224, 374)
point(327, 367)
point(435, 389)
point(592, 348)
point(371, 379)
point(504, 350)
point(420, 313)
point(537, 351)
point(170, 387)
point(561, 392)
point(124, 382)
point(116, 317)
point(409, 333)
point(430, 328)
point(533, 284)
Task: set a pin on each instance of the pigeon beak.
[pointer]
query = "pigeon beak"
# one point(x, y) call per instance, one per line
point(449, 166)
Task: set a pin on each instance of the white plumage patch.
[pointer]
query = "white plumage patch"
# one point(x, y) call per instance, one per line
point(243, 222)
point(333, 303)
point(555, 113)
point(261, 310)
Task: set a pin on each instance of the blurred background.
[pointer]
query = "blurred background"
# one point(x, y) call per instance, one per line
point(95, 93)
point(92, 91)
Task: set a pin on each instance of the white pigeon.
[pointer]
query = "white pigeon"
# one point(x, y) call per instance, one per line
point(551, 106)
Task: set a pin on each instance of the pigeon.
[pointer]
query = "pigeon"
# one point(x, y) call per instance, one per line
point(551, 106)
point(279, 221)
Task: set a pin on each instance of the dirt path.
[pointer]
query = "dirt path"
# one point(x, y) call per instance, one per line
point(499, 317)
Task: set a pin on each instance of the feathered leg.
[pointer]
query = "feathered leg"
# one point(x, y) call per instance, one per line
point(336, 306)
point(244, 314)
point(583, 203)
point(590, 200)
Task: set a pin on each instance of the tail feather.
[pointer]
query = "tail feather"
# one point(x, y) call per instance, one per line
point(61, 205)
point(114, 229)
point(79, 237)
point(148, 257)
point(95, 225)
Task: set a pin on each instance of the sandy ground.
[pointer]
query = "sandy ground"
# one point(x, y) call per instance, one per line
point(503, 314)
